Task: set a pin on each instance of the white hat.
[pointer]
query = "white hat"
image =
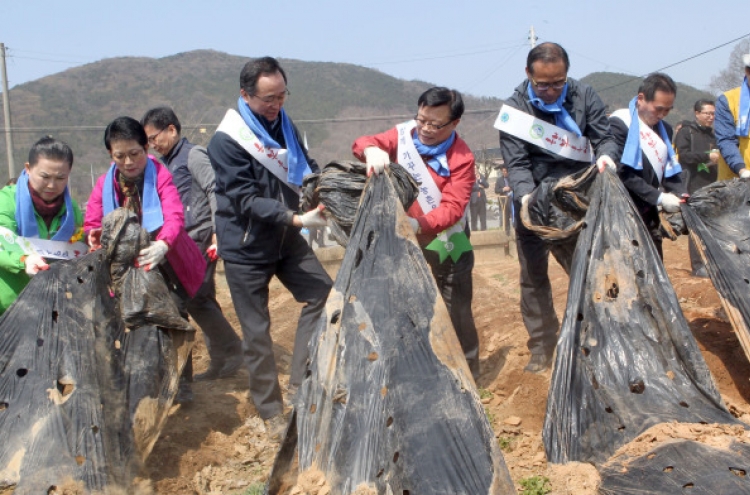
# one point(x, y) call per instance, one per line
point(746, 59)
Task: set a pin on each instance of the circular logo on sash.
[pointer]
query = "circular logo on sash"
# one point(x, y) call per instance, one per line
point(504, 117)
point(536, 131)
point(449, 246)
point(245, 133)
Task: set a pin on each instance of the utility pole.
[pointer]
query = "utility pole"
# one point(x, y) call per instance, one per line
point(532, 37)
point(6, 113)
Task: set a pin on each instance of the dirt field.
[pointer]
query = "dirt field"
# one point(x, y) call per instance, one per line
point(217, 445)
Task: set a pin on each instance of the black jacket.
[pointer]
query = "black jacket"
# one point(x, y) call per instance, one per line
point(643, 185)
point(693, 143)
point(254, 209)
point(528, 164)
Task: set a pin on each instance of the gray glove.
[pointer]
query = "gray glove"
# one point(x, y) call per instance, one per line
point(670, 203)
point(154, 254)
point(377, 160)
point(744, 173)
point(314, 218)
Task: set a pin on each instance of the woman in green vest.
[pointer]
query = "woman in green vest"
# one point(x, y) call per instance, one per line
point(37, 206)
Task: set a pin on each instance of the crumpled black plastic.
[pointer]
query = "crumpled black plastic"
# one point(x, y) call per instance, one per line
point(626, 359)
point(83, 395)
point(390, 405)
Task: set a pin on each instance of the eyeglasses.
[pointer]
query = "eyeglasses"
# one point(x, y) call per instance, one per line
point(431, 125)
point(134, 155)
point(273, 98)
point(710, 114)
point(152, 137)
point(554, 85)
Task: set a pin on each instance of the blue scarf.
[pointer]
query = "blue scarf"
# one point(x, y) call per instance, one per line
point(438, 160)
point(743, 122)
point(296, 161)
point(26, 216)
point(152, 217)
point(632, 155)
point(562, 117)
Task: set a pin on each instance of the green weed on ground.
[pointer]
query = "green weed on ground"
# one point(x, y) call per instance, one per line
point(535, 485)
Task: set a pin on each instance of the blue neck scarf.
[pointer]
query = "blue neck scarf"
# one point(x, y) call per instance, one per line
point(743, 120)
point(438, 161)
point(296, 161)
point(562, 117)
point(26, 216)
point(632, 155)
point(152, 216)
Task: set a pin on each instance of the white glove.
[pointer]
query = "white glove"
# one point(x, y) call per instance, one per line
point(605, 161)
point(414, 224)
point(377, 160)
point(314, 218)
point(154, 254)
point(744, 173)
point(34, 263)
point(670, 203)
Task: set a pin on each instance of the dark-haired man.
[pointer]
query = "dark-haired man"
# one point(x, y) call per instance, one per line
point(194, 178)
point(695, 144)
point(430, 150)
point(259, 161)
point(648, 167)
point(570, 122)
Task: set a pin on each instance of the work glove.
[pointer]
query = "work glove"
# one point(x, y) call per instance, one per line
point(95, 239)
point(525, 200)
point(314, 218)
point(151, 256)
point(414, 224)
point(744, 173)
point(670, 203)
point(34, 264)
point(377, 160)
point(212, 252)
point(605, 161)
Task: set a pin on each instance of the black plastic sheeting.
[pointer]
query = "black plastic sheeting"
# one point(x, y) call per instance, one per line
point(83, 395)
point(626, 359)
point(339, 187)
point(390, 405)
point(718, 217)
point(678, 468)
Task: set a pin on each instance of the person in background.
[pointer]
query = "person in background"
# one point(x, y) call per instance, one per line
point(137, 181)
point(648, 168)
point(444, 165)
point(194, 178)
point(732, 128)
point(502, 189)
point(259, 162)
point(39, 205)
point(478, 203)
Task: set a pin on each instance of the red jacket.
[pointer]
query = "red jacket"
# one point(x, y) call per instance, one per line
point(456, 188)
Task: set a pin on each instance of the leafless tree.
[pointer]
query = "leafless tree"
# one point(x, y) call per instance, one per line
point(731, 77)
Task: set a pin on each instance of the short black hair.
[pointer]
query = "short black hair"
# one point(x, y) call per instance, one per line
point(698, 107)
point(124, 129)
point(439, 96)
point(657, 81)
point(252, 71)
point(161, 118)
point(548, 53)
point(51, 149)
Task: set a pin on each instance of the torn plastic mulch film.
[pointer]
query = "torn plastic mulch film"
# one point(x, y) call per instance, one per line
point(390, 405)
point(626, 359)
point(83, 394)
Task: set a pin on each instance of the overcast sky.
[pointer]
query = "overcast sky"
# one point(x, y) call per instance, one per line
point(476, 46)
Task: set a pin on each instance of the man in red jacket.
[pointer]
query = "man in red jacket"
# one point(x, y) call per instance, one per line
point(430, 149)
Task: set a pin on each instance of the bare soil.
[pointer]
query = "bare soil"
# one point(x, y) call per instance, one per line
point(218, 444)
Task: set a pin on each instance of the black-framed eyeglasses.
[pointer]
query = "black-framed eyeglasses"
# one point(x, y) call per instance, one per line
point(546, 86)
point(152, 137)
point(273, 98)
point(431, 125)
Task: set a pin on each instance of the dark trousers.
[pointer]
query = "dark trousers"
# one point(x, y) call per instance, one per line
point(303, 275)
point(455, 285)
point(537, 308)
point(221, 339)
point(478, 210)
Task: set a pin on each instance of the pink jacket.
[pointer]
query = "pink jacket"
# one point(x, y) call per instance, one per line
point(184, 255)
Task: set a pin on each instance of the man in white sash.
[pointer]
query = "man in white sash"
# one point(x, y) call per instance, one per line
point(430, 149)
point(259, 162)
point(648, 167)
point(549, 127)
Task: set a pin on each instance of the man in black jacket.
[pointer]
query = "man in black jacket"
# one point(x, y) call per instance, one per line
point(259, 163)
point(194, 178)
point(648, 167)
point(696, 147)
point(548, 128)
